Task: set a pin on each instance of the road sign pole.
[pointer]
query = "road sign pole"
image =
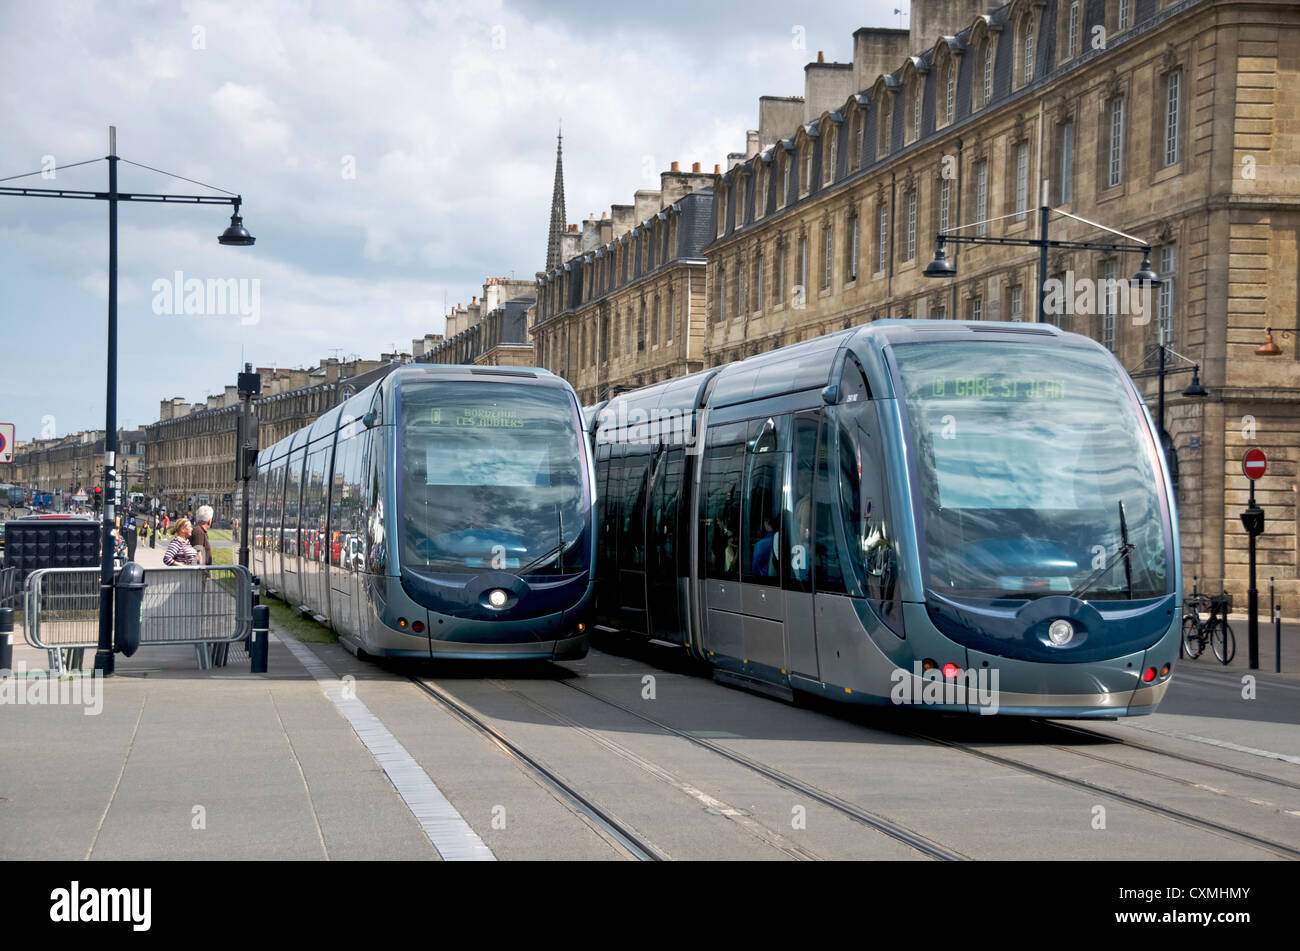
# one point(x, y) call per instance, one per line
point(1252, 595)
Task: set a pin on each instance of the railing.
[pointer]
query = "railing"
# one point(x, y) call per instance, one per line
point(204, 606)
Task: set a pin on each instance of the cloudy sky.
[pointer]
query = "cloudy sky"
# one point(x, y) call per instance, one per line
point(391, 156)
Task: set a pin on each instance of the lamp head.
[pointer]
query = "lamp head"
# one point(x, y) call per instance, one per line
point(1270, 349)
point(236, 235)
point(1145, 277)
point(940, 266)
point(1195, 388)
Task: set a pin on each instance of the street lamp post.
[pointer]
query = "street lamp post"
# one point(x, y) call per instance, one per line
point(942, 267)
point(235, 235)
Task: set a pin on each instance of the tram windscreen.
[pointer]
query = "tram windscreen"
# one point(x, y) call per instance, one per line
point(1035, 470)
point(492, 479)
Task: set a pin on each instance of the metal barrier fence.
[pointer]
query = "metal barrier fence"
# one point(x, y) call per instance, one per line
point(204, 606)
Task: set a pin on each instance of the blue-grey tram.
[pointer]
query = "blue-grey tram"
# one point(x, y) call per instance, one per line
point(443, 511)
point(968, 516)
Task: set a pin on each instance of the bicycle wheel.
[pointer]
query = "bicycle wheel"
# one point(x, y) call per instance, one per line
point(1193, 643)
point(1223, 642)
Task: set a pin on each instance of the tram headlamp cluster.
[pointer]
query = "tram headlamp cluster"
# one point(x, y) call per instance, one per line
point(497, 598)
point(1061, 632)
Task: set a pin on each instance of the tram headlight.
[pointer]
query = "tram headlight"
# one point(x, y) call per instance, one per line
point(1061, 632)
point(497, 598)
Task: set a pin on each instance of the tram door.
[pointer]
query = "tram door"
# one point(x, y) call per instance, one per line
point(664, 571)
point(797, 544)
point(761, 564)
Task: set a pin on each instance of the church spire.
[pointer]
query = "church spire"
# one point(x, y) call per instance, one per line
point(557, 208)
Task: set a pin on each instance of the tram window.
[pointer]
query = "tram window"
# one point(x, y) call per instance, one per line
point(797, 552)
point(828, 573)
point(632, 555)
point(292, 491)
point(763, 492)
point(720, 478)
point(853, 383)
point(339, 515)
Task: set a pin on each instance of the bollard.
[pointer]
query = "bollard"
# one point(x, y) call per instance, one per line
point(1277, 629)
point(7, 640)
point(260, 639)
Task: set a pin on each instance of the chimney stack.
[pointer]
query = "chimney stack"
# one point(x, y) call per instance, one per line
point(676, 166)
point(695, 167)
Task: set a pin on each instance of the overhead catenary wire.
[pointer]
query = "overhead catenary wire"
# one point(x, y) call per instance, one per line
point(174, 175)
point(46, 171)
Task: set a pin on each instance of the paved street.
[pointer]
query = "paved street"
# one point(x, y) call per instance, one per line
point(299, 763)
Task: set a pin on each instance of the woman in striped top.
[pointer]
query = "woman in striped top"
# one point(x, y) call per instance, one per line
point(180, 552)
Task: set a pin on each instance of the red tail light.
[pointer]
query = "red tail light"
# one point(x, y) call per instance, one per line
point(1149, 675)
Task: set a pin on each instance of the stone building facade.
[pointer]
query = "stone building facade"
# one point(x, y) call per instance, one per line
point(1177, 121)
point(627, 306)
point(63, 465)
point(491, 331)
point(190, 451)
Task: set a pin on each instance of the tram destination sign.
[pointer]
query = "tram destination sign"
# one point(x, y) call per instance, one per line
point(998, 387)
point(477, 417)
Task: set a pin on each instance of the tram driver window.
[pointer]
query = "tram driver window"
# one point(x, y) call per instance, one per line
point(762, 558)
point(720, 488)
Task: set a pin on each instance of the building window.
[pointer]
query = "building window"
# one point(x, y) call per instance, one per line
point(1110, 273)
point(1173, 98)
point(803, 264)
point(779, 287)
point(1116, 172)
point(857, 139)
point(808, 168)
point(831, 138)
point(882, 253)
point(1022, 181)
point(672, 312)
point(977, 308)
point(758, 282)
point(738, 196)
point(982, 197)
point(740, 287)
point(986, 61)
point(918, 101)
point(1072, 30)
point(945, 204)
point(851, 248)
point(1027, 51)
point(1168, 267)
point(766, 174)
point(654, 322)
point(1017, 303)
point(885, 121)
point(1125, 18)
point(789, 178)
point(828, 248)
point(909, 251)
point(722, 293)
point(939, 312)
point(1067, 163)
point(950, 93)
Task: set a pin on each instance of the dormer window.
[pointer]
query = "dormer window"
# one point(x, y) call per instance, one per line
point(949, 92)
point(831, 138)
point(986, 72)
point(1027, 50)
point(885, 125)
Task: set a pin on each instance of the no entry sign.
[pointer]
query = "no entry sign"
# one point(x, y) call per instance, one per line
point(1254, 464)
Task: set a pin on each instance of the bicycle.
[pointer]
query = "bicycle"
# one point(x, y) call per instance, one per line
point(1215, 629)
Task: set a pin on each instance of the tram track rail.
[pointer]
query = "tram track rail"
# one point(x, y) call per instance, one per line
point(618, 834)
point(887, 827)
point(1176, 815)
point(1182, 757)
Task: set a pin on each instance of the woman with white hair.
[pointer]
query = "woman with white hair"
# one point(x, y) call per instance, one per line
point(202, 522)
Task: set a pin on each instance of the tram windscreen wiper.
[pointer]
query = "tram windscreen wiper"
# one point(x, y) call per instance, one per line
point(558, 549)
point(1125, 549)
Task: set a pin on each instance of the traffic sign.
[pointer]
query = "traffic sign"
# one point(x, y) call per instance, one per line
point(6, 442)
point(1254, 464)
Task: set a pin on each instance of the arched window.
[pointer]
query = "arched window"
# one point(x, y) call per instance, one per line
point(884, 123)
point(1027, 49)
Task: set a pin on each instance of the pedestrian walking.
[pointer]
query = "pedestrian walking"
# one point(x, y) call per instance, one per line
point(132, 538)
point(199, 539)
point(153, 533)
point(179, 550)
point(167, 522)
